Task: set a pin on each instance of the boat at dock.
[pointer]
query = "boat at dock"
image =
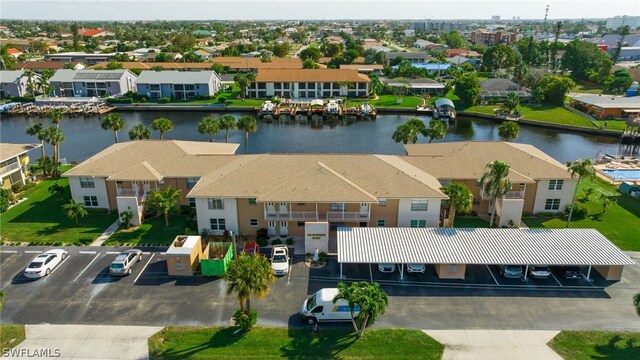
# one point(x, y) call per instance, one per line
point(271, 110)
point(444, 110)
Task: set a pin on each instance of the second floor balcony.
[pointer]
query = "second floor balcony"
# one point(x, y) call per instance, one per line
point(348, 216)
point(291, 215)
point(9, 168)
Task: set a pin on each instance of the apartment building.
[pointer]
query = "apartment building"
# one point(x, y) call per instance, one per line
point(254, 64)
point(14, 163)
point(490, 38)
point(412, 57)
point(282, 192)
point(182, 85)
point(14, 83)
point(309, 83)
point(88, 83)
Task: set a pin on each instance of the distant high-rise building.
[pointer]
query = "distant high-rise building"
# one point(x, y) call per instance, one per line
point(614, 23)
point(490, 38)
point(495, 18)
point(440, 26)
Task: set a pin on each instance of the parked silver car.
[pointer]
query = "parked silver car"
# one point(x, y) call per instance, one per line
point(123, 263)
point(386, 267)
point(539, 271)
point(416, 268)
point(511, 271)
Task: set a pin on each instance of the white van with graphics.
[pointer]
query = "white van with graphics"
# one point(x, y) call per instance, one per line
point(321, 308)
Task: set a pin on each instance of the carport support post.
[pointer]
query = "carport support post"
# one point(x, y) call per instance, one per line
point(340, 270)
point(526, 271)
point(401, 272)
point(589, 274)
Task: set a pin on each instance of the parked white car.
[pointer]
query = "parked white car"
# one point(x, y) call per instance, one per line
point(539, 271)
point(416, 268)
point(44, 263)
point(386, 267)
point(280, 259)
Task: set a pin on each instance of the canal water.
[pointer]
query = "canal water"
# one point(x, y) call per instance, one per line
point(84, 136)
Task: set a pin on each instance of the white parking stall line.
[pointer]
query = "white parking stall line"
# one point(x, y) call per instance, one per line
point(86, 252)
point(146, 252)
point(59, 265)
point(33, 251)
point(86, 267)
point(554, 278)
point(491, 273)
point(112, 252)
point(163, 253)
point(145, 266)
point(8, 251)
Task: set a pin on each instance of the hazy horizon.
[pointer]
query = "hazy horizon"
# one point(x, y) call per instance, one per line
point(313, 10)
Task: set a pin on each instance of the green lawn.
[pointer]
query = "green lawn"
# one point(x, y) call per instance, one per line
point(271, 343)
point(619, 125)
point(152, 231)
point(40, 219)
point(586, 89)
point(470, 222)
point(587, 345)
point(620, 223)
point(390, 101)
point(11, 335)
point(544, 113)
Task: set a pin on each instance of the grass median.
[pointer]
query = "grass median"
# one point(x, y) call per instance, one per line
point(153, 231)
point(583, 345)
point(271, 343)
point(11, 335)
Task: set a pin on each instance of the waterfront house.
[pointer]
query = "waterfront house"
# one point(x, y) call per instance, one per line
point(497, 89)
point(88, 83)
point(14, 163)
point(181, 85)
point(364, 68)
point(281, 192)
point(418, 86)
point(309, 83)
point(14, 83)
point(412, 57)
point(607, 106)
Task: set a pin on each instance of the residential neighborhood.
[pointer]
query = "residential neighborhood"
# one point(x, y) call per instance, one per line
point(298, 180)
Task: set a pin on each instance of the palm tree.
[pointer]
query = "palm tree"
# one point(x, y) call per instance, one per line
point(247, 276)
point(38, 130)
point(583, 168)
point(55, 137)
point(209, 126)
point(636, 303)
point(244, 80)
point(56, 115)
point(511, 102)
point(408, 132)
point(495, 182)
point(31, 85)
point(248, 124)
point(509, 130)
point(227, 122)
point(74, 211)
point(436, 130)
point(348, 293)
point(460, 199)
point(139, 132)
point(115, 122)
point(371, 298)
point(162, 125)
point(165, 201)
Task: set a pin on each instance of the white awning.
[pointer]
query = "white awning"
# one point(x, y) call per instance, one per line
point(577, 247)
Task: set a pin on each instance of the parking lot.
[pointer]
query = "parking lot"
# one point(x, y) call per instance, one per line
point(80, 290)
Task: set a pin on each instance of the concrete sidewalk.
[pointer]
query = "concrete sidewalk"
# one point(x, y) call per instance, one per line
point(495, 344)
point(87, 341)
point(106, 234)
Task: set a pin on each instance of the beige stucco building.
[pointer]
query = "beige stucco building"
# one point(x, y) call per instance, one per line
point(14, 163)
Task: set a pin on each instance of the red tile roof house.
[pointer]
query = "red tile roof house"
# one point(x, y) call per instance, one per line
point(14, 52)
point(94, 32)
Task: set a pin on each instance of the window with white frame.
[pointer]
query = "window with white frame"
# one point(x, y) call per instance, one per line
point(336, 207)
point(381, 223)
point(218, 224)
point(91, 201)
point(216, 204)
point(382, 202)
point(253, 222)
point(87, 182)
point(552, 204)
point(419, 205)
point(192, 202)
point(556, 184)
point(418, 223)
point(191, 182)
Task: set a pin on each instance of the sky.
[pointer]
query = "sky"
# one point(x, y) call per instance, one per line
point(310, 9)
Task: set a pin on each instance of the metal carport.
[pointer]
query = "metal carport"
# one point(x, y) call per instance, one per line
point(453, 246)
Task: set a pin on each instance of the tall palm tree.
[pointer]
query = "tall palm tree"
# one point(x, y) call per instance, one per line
point(436, 130)
point(582, 168)
point(74, 211)
point(139, 132)
point(495, 182)
point(56, 115)
point(209, 126)
point(460, 199)
point(55, 137)
point(509, 130)
point(227, 122)
point(113, 121)
point(165, 201)
point(162, 125)
point(248, 276)
point(31, 84)
point(247, 123)
point(371, 298)
point(39, 131)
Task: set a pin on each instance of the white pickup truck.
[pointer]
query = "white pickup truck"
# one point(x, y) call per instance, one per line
point(321, 308)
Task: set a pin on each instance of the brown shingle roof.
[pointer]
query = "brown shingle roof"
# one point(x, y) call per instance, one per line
point(240, 63)
point(8, 151)
point(137, 65)
point(44, 65)
point(311, 75)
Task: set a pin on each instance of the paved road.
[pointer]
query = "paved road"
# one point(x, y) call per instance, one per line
point(80, 292)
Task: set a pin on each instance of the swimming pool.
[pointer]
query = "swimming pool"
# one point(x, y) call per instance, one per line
point(633, 175)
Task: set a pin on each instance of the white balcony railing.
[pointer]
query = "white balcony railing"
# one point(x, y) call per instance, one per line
point(517, 194)
point(291, 215)
point(348, 216)
point(9, 168)
point(129, 192)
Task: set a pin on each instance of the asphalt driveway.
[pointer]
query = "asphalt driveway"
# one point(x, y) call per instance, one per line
point(80, 291)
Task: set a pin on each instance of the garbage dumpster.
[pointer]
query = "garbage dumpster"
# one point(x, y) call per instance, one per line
point(215, 258)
